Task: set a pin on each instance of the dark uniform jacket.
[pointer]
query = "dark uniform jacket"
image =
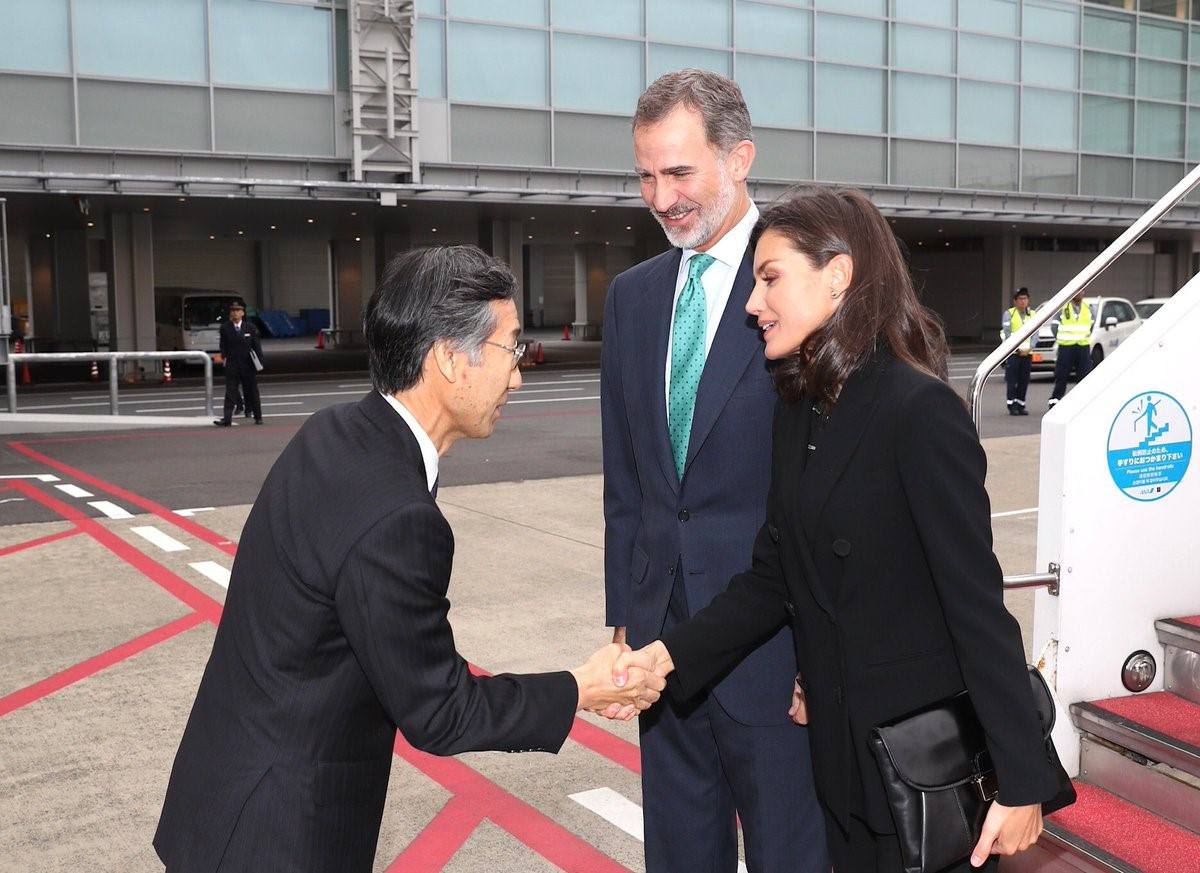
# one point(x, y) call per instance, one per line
point(236, 345)
point(335, 634)
point(877, 550)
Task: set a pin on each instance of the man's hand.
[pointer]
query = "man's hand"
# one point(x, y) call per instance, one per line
point(619, 636)
point(654, 658)
point(1007, 830)
point(603, 688)
point(799, 709)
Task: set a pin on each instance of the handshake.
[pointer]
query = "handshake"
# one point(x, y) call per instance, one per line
point(618, 682)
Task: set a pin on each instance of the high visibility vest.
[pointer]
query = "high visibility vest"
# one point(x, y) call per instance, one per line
point(1015, 320)
point(1075, 325)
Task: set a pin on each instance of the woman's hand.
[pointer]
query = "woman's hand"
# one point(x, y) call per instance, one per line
point(799, 710)
point(1007, 830)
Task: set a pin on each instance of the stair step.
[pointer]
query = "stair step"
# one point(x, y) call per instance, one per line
point(1161, 726)
point(1180, 638)
point(1113, 834)
point(1156, 788)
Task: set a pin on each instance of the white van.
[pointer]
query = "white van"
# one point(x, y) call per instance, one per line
point(188, 319)
point(1113, 320)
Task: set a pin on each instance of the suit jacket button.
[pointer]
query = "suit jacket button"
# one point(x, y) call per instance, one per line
point(841, 548)
point(791, 608)
point(773, 532)
point(684, 515)
point(671, 570)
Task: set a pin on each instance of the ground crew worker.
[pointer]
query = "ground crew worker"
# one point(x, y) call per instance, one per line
point(1074, 345)
point(1020, 363)
point(242, 355)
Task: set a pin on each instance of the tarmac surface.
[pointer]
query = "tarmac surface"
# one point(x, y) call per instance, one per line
point(114, 557)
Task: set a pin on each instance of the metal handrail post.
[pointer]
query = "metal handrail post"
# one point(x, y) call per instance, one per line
point(113, 406)
point(1098, 265)
point(208, 386)
point(10, 377)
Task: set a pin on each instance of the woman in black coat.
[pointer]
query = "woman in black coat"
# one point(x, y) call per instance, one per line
point(877, 545)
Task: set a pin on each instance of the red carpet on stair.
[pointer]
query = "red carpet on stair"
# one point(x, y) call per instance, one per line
point(1130, 833)
point(1191, 619)
point(1161, 711)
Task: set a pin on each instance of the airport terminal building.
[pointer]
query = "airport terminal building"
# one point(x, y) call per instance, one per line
point(282, 150)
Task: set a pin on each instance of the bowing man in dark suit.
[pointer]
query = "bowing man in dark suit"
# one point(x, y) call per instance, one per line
point(877, 546)
point(239, 346)
point(335, 632)
point(686, 405)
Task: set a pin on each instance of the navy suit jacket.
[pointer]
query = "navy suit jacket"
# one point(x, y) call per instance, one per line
point(707, 522)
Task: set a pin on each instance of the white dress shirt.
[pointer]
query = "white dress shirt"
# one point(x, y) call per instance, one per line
point(428, 450)
point(717, 281)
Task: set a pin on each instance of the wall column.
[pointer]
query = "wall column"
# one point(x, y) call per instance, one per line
point(591, 284)
point(70, 327)
point(131, 283)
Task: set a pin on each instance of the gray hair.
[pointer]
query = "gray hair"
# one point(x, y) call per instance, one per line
point(717, 98)
point(426, 295)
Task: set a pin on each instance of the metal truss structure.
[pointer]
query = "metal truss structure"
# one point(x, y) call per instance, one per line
point(383, 90)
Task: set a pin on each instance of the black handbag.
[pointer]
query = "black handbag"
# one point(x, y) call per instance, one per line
point(939, 779)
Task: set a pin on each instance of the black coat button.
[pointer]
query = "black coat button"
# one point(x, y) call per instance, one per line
point(671, 570)
point(791, 608)
point(684, 515)
point(773, 532)
point(841, 548)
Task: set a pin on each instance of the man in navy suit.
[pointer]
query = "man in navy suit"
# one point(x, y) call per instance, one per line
point(687, 403)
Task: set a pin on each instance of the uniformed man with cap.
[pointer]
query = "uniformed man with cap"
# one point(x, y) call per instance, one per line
point(1020, 363)
point(241, 353)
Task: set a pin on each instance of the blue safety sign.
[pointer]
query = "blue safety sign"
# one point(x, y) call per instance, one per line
point(1149, 446)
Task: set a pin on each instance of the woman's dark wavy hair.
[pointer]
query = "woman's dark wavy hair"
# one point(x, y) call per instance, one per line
point(880, 308)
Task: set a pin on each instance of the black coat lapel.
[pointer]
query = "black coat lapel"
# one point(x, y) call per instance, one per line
point(736, 341)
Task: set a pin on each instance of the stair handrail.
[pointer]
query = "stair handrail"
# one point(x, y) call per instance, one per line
point(1099, 264)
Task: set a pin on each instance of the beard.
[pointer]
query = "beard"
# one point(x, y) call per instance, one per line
point(708, 218)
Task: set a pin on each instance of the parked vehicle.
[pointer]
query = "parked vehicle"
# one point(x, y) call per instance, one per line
point(1149, 306)
point(188, 319)
point(1113, 320)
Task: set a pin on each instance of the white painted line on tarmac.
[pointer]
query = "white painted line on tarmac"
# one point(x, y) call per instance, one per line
point(1028, 511)
point(160, 539)
point(212, 571)
point(619, 810)
point(41, 477)
point(361, 385)
point(74, 491)
point(556, 399)
point(544, 390)
point(188, 513)
point(528, 381)
point(109, 509)
point(201, 408)
point(13, 500)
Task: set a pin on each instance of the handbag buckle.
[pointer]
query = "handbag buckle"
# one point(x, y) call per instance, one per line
point(985, 784)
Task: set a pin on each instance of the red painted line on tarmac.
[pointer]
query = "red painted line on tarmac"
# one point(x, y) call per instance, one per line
point(198, 531)
point(92, 666)
point(211, 432)
point(40, 541)
point(550, 840)
point(441, 839)
point(207, 607)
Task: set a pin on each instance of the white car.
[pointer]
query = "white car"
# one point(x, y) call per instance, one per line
point(1113, 320)
point(1149, 306)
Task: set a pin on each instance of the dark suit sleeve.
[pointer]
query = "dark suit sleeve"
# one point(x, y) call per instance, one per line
point(224, 335)
point(391, 602)
point(942, 468)
point(622, 492)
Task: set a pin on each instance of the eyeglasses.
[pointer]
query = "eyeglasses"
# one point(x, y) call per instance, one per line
point(517, 351)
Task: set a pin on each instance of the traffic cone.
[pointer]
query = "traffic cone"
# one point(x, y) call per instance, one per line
point(95, 374)
point(566, 332)
point(19, 348)
point(539, 354)
point(167, 372)
point(320, 339)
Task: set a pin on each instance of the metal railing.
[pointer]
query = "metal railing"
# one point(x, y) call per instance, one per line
point(112, 357)
point(1049, 580)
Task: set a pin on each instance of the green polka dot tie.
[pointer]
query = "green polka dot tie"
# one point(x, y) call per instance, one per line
point(687, 358)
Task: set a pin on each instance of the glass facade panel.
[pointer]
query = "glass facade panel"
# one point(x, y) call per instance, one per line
point(1194, 85)
point(1108, 30)
point(431, 7)
point(1161, 81)
point(777, 90)
point(594, 142)
point(1048, 65)
point(497, 65)
point(857, 159)
point(147, 116)
point(273, 123)
point(621, 17)
point(1153, 179)
point(1112, 74)
point(1051, 21)
point(862, 7)
point(271, 45)
point(987, 112)
point(987, 169)
point(151, 39)
point(666, 58)
point(35, 36)
point(1047, 172)
point(39, 110)
point(1162, 39)
point(922, 106)
point(1048, 119)
point(509, 12)
point(1159, 130)
point(431, 57)
point(850, 98)
point(1194, 46)
point(987, 57)
point(925, 11)
point(922, 48)
point(705, 22)
point(1107, 124)
point(782, 154)
point(1193, 135)
point(576, 62)
point(853, 40)
point(775, 29)
point(485, 135)
point(924, 164)
point(1105, 177)
point(990, 16)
